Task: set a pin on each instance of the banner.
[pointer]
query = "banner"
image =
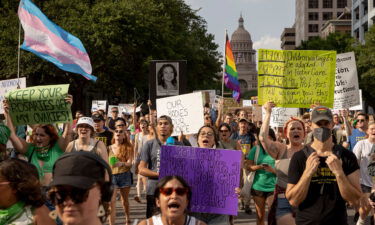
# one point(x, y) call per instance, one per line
point(346, 86)
point(186, 112)
point(280, 116)
point(213, 175)
point(296, 78)
point(98, 104)
point(40, 105)
point(360, 105)
point(8, 85)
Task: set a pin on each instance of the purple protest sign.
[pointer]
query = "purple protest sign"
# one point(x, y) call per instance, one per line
point(213, 175)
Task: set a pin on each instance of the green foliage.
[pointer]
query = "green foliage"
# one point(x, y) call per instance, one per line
point(340, 42)
point(121, 38)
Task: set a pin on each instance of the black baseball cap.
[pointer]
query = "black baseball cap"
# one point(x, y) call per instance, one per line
point(321, 113)
point(244, 120)
point(78, 169)
point(97, 117)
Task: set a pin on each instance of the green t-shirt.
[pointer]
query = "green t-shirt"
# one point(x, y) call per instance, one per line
point(263, 180)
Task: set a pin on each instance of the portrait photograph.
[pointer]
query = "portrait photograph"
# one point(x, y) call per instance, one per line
point(167, 78)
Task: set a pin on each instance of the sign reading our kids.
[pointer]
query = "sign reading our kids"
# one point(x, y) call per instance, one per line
point(39, 105)
point(296, 78)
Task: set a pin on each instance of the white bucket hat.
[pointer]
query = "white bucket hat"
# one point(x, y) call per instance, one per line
point(86, 120)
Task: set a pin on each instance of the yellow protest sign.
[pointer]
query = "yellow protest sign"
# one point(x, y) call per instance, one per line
point(296, 78)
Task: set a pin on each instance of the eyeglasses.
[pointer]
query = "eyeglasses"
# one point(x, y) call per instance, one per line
point(120, 125)
point(361, 120)
point(77, 195)
point(115, 111)
point(222, 131)
point(208, 134)
point(119, 131)
point(169, 191)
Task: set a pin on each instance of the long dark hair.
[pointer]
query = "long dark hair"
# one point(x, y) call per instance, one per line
point(24, 180)
point(161, 81)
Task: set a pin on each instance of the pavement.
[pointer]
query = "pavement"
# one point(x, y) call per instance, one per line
point(138, 212)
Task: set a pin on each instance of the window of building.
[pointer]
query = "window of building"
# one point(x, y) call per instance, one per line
point(290, 43)
point(327, 4)
point(341, 3)
point(313, 28)
point(313, 4)
point(313, 16)
point(327, 15)
point(356, 12)
point(365, 7)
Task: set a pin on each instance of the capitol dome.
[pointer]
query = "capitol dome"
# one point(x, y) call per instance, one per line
point(241, 34)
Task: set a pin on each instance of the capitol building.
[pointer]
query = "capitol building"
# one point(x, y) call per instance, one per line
point(245, 58)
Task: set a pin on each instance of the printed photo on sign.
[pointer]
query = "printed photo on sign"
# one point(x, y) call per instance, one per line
point(167, 77)
point(8, 85)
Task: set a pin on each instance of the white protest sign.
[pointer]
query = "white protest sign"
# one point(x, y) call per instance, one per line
point(360, 105)
point(247, 103)
point(280, 116)
point(128, 108)
point(8, 85)
point(186, 112)
point(98, 104)
point(346, 86)
point(211, 93)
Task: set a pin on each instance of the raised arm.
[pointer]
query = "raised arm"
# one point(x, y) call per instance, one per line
point(273, 148)
point(18, 143)
point(66, 136)
point(348, 128)
point(219, 118)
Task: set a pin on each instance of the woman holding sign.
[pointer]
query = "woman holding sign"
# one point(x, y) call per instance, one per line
point(121, 157)
point(45, 147)
point(294, 131)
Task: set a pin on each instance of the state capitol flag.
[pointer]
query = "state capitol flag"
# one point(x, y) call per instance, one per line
point(52, 43)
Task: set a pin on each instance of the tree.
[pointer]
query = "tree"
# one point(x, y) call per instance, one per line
point(121, 38)
point(340, 42)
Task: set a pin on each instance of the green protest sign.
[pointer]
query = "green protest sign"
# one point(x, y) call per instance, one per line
point(296, 78)
point(39, 105)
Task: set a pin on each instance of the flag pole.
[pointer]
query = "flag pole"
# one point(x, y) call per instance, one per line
point(224, 62)
point(19, 54)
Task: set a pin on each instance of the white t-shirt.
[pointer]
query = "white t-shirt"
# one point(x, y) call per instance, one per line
point(362, 151)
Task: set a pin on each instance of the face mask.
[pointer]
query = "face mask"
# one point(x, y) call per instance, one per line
point(322, 133)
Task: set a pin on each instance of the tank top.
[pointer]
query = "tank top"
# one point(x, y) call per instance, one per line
point(282, 167)
point(94, 148)
point(156, 220)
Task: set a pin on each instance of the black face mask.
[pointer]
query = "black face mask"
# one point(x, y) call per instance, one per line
point(322, 133)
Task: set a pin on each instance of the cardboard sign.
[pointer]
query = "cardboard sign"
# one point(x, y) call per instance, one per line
point(296, 78)
point(230, 104)
point(186, 112)
point(40, 105)
point(8, 85)
point(360, 106)
point(280, 116)
point(213, 175)
point(346, 86)
point(98, 104)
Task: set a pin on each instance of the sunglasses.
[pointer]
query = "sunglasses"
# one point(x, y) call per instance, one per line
point(222, 131)
point(169, 191)
point(77, 195)
point(115, 111)
point(361, 121)
point(119, 131)
point(120, 125)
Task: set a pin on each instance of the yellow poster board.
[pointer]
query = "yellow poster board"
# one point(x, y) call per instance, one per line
point(296, 78)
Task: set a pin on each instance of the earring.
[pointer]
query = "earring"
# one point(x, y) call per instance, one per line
point(53, 215)
point(101, 211)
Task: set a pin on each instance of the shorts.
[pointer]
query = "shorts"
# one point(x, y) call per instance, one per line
point(262, 194)
point(122, 180)
point(283, 207)
point(366, 189)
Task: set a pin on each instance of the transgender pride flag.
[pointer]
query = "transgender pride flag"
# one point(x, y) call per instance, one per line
point(52, 43)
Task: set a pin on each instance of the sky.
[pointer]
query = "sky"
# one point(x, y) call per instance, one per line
point(264, 19)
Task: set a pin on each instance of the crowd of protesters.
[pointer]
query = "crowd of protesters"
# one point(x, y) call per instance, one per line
point(306, 172)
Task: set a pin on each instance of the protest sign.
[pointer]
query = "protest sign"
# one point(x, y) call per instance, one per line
point(213, 175)
point(230, 104)
point(8, 85)
point(346, 85)
point(186, 112)
point(98, 104)
point(257, 113)
point(296, 78)
point(247, 103)
point(211, 93)
point(128, 108)
point(360, 105)
point(40, 105)
point(280, 116)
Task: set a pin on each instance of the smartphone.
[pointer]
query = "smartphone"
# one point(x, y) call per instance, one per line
point(264, 164)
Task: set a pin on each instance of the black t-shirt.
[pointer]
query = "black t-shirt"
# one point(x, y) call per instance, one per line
point(105, 137)
point(323, 204)
point(111, 123)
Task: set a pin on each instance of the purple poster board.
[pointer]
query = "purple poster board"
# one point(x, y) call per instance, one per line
point(213, 175)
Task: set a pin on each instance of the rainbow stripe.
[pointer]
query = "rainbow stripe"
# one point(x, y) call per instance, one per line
point(230, 72)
